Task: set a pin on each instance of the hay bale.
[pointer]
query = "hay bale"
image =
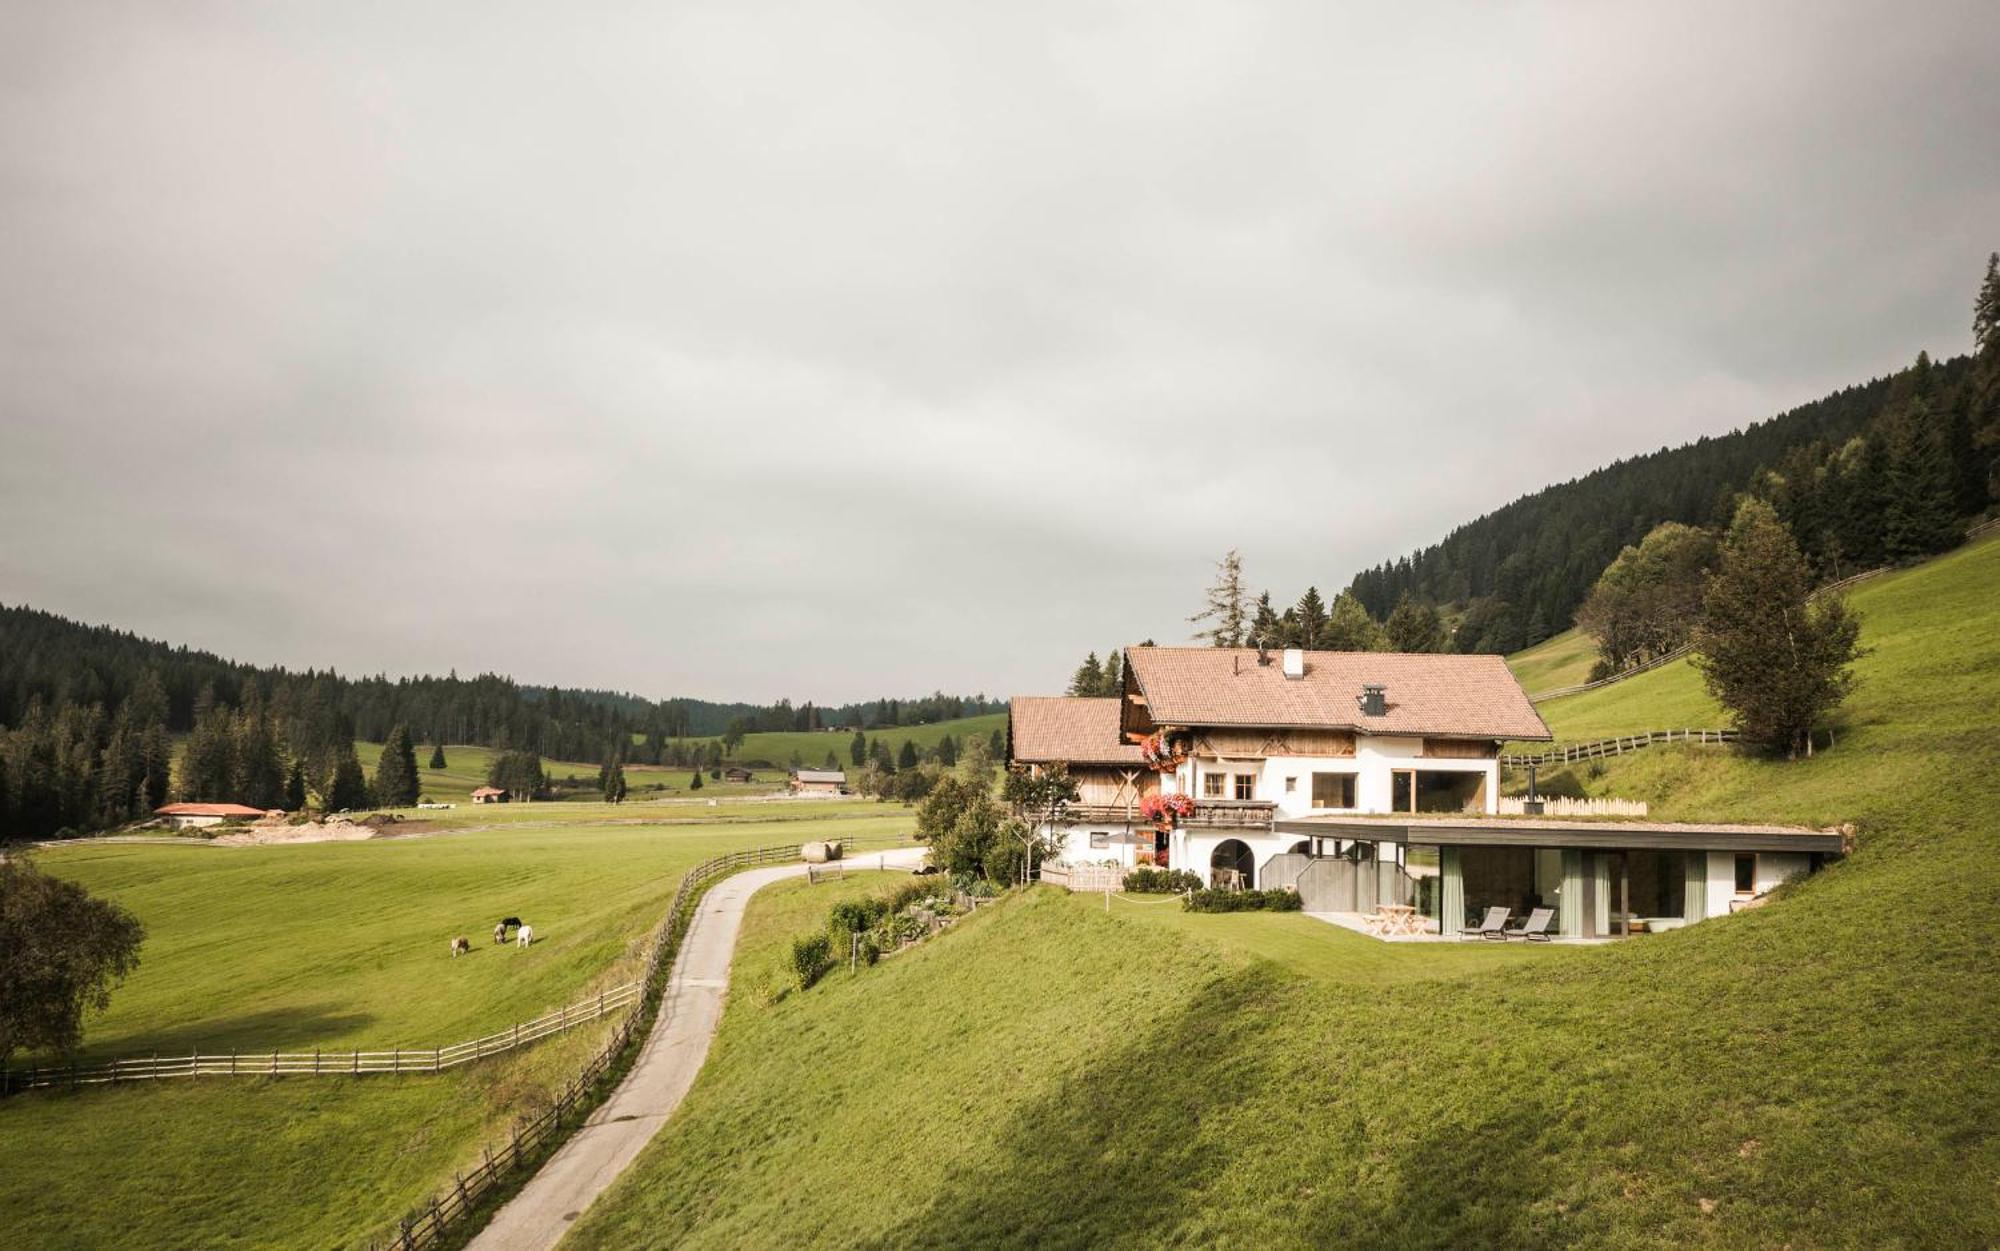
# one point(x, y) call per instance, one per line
point(833, 849)
point(814, 853)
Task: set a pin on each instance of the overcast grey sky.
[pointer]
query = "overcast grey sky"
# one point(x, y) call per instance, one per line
point(829, 351)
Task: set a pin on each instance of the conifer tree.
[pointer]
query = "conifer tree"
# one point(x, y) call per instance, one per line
point(1114, 675)
point(437, 756)
point(347, 786)
point(1265, 628)
point(612, 783)
point(1920, 494)
point(1311, 620)
point(1089, 677)
point(396, 784)
point(295, 786)
point(1986, 310)
point(694, 783)
point(1414, 627)
point(1775, 658)
point(907, 757)
point(832, 762)
point(1225, 611)
point(947, 751)
point(857, 749)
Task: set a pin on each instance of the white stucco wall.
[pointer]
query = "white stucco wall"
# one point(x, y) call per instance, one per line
point(1124, 843)
point(1373, 763)
point(1773, 867)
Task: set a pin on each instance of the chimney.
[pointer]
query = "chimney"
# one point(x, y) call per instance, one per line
point(1295, 663)
point(1263, 651)
point(1374, 699)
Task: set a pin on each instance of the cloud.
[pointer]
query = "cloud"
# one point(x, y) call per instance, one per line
point(743, 350)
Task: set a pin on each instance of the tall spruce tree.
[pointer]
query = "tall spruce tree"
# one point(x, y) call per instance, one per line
point(907, 757)
point(1349, 628)
point(832, 761)
point(437, 757)
point(1225, 611)
point(1775, 658)
point(1088, 678)
point(295, 786)
point(1310, 619)
point(346, 787)
point(396, 784)
point(1114, 675)
point(857, 749)
point(1920, 492)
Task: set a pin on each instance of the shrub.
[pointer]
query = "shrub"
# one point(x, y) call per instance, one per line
point(914, 891)
point(851, 916)
point(1243, 901)
point(812, 956)
point(1161, 881)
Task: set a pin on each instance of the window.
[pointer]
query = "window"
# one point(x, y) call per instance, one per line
point(1246, 786)
point(1291, 786)
point(1333, 790)
point(1099, 840)
point(1211, 784)
point(1746, 873)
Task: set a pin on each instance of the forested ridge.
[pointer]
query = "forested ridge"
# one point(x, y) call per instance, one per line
point(1519, 573)
point(89, 714)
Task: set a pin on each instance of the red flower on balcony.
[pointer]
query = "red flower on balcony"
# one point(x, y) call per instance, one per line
point(1161, 753)
point(1166, 810)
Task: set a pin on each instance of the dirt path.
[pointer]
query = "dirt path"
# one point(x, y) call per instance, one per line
point(596, 1154)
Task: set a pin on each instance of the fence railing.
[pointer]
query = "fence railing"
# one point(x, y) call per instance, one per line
point(1084, 877)
point(1565, 806)
point(429, 1225)
point(323, 1063)
point(1615, 746)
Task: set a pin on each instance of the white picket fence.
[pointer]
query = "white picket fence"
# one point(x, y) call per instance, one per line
point(1515, 806)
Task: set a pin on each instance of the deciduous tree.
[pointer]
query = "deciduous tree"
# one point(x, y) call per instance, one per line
point(61, 952)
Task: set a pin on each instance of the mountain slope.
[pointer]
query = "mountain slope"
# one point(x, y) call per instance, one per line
point(1819, 1072)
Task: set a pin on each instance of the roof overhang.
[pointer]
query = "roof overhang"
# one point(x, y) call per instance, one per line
point(1589, 835)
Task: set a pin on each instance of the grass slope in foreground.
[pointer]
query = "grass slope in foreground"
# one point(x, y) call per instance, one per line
point(339, 945)
point(1819, 1072)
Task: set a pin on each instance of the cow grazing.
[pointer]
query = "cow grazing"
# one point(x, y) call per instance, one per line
point(526, 935)
point(499, 934)
point(460, 946)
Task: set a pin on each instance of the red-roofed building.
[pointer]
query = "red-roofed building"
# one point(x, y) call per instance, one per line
point(489, 795)
point(1369, 782)
point(186, 816)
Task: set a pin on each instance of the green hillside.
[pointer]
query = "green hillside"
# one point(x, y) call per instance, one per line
point(1564, 660)
point(1818, 1072)
point(777, 748)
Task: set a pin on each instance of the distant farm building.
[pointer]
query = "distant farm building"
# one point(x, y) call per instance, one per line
point(489, 795)
point(738, 774)
point(818, 782)
point(189, 816)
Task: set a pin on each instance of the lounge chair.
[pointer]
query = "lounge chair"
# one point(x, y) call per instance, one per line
point(1494, 926)
point(1536, 928)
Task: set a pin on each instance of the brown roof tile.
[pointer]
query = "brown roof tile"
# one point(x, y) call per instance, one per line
point(1470, 696)
point(1067, 728)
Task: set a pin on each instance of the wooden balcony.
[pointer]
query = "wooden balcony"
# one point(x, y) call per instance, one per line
point(1231, 814)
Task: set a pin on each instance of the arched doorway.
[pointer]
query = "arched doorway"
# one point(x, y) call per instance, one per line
point(1232, 865)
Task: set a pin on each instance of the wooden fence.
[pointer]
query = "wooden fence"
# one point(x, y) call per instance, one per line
point(431, 1224)
point(321, 1063)
point(1618, 746)
point(1085, 877)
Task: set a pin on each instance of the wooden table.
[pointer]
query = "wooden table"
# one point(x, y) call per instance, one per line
point(1401, 921)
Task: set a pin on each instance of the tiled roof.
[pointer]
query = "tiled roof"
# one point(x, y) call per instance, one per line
point(489, 790)
point(209, 810)
point(1066, 728)
point(1447, 696)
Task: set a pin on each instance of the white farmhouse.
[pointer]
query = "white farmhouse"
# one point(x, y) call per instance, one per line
point(1365, 780)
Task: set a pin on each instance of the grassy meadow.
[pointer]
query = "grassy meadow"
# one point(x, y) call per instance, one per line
point(341, 945)
point(1563, 660)
point(1820, 1072)
point(811, 746)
